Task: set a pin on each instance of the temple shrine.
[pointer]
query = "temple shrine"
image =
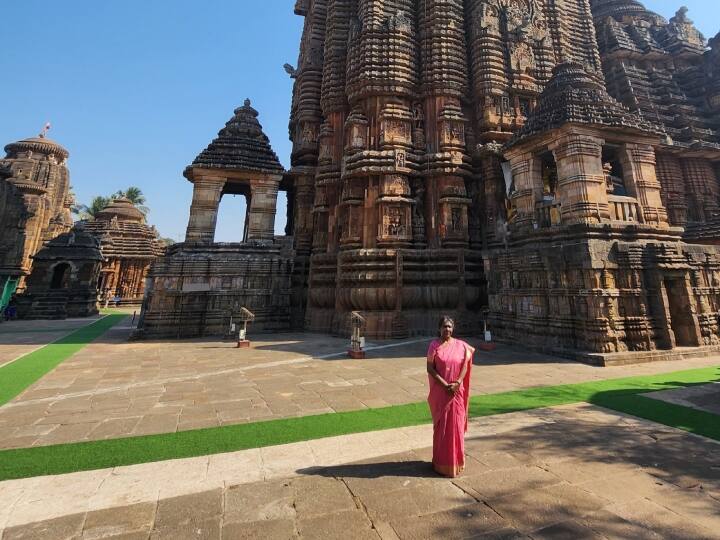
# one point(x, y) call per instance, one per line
point(129, 246)
point(552, 164)
point(34, 206)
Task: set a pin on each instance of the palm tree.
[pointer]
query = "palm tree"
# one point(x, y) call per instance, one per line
point(134, 195)
point(96, 206)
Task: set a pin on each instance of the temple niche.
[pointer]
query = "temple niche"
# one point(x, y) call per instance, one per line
point(64, 278)
point(34, 206)
point(129, 247)
point(198, 284)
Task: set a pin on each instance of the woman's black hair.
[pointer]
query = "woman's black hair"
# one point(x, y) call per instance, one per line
point(445, 319)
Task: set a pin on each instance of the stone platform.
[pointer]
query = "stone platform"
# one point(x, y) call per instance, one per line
point(117, 388)
point(569, 472)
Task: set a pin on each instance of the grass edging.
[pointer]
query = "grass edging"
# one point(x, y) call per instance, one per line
point(18, 375)
point(617, 394)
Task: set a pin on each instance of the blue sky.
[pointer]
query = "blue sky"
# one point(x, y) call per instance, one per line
point(136, 89)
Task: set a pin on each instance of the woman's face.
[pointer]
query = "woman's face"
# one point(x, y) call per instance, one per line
point(446, 330)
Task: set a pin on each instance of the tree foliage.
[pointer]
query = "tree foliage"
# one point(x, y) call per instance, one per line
point(134, 194)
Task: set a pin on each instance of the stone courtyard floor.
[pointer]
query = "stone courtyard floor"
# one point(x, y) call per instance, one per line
point(574, 471)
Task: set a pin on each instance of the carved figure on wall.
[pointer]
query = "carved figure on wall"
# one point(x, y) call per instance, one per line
point(418, 116)
point(309, 134)
point(489, 19)
point(290, 70)
point(614, 184)
point(399, 22)
point(522, 56)
point(399, 160)
point(456, 219)
point(684, 29)
point(418, 211)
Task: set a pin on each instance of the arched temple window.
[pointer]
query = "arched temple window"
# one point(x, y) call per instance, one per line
point(60, 276)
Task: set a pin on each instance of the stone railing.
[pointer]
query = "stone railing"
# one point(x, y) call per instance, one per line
point(547, 214)
point(624, 209)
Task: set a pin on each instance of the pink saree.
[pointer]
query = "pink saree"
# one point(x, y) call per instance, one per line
point(449, 413)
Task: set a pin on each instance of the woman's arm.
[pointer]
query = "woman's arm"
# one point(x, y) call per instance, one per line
point(433, 372)
point(454, 387)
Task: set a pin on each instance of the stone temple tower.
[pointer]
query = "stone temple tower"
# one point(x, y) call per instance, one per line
point(398, 111)
point(473, 156)
point(34, 205)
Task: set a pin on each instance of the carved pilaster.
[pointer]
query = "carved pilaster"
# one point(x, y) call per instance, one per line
point(581, 180)
point(639, 163)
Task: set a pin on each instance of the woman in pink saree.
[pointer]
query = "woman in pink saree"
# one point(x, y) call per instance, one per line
point(449, 362)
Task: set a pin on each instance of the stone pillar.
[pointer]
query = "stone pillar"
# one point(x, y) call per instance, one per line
point(638, 161)
point(581, 180)
point(261, 210)
point(673, 189)
point(493, 186)
point(525, 170)
point(207, 192)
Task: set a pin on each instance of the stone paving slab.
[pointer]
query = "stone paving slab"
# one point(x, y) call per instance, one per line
point(18, 338)
point(115, 388)
point(704, 397)
point(568, 472)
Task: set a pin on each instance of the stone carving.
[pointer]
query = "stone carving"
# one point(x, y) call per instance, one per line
point(684, 29)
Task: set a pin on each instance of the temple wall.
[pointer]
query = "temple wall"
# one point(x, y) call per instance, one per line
point(605, 295)
point(195, 288)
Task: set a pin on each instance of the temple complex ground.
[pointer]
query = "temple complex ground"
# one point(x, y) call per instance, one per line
point(357, 462)
point(119, 388)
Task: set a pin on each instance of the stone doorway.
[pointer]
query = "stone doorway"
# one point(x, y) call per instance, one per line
point(60, 276)
point(682, 321)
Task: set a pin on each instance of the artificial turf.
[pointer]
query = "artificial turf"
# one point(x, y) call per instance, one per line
point(618, 394)
point(16, 376)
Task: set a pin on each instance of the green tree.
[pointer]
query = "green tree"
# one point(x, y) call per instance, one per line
point(96, 206)
point(135, 195)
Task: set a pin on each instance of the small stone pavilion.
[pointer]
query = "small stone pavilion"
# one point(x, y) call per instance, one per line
point(64, 278)
point(197, 286)
point(129, 247)
point(34, 206)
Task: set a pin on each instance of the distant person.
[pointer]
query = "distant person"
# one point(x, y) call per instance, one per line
point(116, 300)
point(11, 310)
point(449, 362)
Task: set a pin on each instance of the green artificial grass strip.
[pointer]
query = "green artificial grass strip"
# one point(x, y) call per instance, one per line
point(618, 394)
point(685, 418)
point(65, 458)
point(19, 374)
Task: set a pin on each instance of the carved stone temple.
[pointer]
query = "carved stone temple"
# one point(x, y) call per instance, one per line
point(64, 278)
point(34, 206)
point(550, 165)
point(129, 247)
